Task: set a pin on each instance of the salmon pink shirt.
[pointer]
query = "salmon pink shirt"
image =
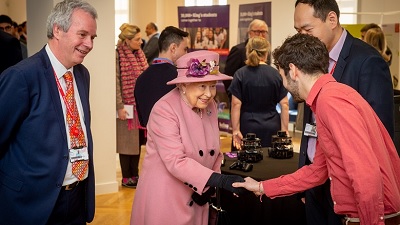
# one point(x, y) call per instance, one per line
point(354, 151)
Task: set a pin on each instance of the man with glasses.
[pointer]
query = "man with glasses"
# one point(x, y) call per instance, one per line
point(237, 55)
point(10, 48)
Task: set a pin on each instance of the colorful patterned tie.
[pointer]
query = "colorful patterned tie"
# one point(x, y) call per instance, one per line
point(76, 134)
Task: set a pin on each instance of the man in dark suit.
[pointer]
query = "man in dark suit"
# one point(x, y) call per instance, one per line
point(151, 47)
point(39, 147)
point(10, 51)
point(151, 85)
point(352, 62)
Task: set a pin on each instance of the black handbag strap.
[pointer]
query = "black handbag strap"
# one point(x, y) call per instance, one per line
point(217, 205)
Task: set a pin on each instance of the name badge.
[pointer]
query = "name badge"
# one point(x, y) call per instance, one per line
point(78, 154)
point(310, 130)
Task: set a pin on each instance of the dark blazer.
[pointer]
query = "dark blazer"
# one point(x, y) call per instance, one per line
point(360, 66)
point(151, 48)
point(235, 60)
point(10, 51)
point(151, 85)
point(33, 141)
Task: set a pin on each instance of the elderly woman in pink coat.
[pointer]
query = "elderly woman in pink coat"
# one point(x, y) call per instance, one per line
point(181, 167)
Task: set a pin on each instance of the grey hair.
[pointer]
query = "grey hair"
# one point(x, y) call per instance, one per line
point(257, 22)
point(61, 15)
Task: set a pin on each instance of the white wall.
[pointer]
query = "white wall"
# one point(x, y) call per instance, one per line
point(17, 9)
point(384, 7)
point(101, 61)
point(4, 7)
point(101, 64)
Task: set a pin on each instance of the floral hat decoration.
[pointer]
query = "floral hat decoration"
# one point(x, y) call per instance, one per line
point(198, 66)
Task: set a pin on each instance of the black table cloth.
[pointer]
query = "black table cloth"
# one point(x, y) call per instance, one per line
point(248, 210)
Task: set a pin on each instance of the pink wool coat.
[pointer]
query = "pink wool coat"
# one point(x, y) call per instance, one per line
point(182, 152)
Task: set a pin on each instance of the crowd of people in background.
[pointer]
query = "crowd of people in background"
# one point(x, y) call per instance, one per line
point(13, 42)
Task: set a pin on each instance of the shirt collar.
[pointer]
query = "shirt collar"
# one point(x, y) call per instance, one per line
point(316, 88)
point(159, 60)
point(151, 35)
point(58, 68)
point(334, 53)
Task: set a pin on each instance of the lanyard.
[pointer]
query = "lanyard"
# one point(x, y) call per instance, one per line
point(333, 68)
point(74, 117)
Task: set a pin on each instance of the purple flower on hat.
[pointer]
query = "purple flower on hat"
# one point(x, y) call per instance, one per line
point(200, 69)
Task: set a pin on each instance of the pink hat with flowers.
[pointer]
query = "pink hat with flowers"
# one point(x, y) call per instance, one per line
point(198, 66)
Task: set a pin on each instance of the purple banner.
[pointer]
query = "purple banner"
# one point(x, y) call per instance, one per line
point(249, 12)
point(208, 27)
point(204, 16)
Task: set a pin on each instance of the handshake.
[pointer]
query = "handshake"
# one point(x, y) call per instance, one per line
point(218, 180)
point(233, 183)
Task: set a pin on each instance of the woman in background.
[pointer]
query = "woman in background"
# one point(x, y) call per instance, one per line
point(182, 165)
point(131, 62)
point(256, 90)
point(376, 38)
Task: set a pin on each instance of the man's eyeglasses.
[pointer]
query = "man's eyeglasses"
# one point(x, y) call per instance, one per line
point(258, 32)
point(6, 28)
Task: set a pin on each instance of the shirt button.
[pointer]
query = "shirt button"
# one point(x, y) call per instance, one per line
point(334, 202)
point(381, 217)
point(330, 178)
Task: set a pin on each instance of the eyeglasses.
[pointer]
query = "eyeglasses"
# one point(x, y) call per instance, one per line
point(6, 28)
point(258, 32)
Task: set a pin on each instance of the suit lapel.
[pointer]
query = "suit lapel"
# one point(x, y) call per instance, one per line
point(48, 73)
point(344, 53)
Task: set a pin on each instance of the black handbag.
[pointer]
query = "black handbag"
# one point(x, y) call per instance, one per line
point(218, 216)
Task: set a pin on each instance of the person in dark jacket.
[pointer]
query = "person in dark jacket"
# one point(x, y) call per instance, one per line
point(152, 83)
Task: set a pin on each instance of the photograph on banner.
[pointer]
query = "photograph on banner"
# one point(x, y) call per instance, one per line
point(208, 28)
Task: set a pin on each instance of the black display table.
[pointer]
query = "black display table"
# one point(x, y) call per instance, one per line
point(248, 210)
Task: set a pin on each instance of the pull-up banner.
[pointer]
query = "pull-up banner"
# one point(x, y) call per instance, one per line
point(249, 12)
point(208, 27)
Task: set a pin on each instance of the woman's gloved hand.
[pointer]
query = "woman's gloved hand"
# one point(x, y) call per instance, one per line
point(225, 182)
point(203, 198)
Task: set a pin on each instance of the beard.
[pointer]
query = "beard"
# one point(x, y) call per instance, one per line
point(293, 88)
